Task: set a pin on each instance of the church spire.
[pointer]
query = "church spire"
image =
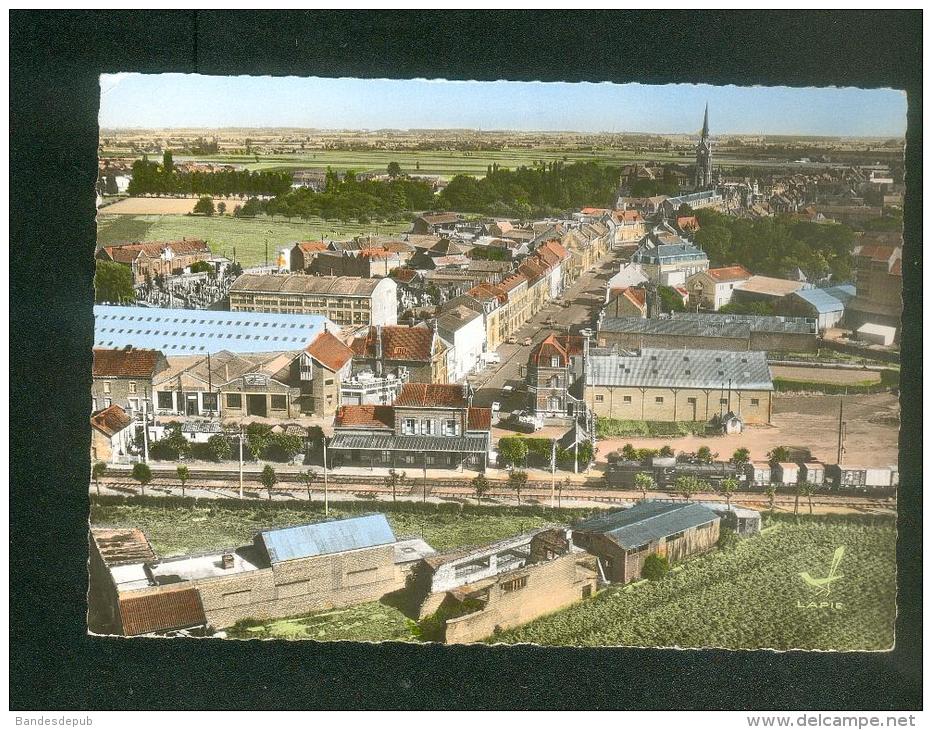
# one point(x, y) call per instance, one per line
point(705, 122)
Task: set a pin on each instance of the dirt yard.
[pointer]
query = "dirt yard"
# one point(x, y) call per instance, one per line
point(841, 376)
point(162, 206)
point(804, 420)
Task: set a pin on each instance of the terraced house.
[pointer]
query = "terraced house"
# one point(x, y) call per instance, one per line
point(345, 300)
point(163, 258)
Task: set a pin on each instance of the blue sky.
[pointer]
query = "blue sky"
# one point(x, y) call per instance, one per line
point(179, 100)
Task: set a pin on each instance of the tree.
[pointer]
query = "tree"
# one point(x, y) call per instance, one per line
point(221, 207)
point(394, 170)
point(269, 479)
point(644, 481)
point(689, 486)
point(219, 447)
point(395, 481)
point(629, 453)
point(204, 206)
point(168, 166)
point(113, 283)
point(704, 454)
point(666, 450)
point(727, 539)
point(512, 450)
point(655, 567)
point(183, 475)
point(307, 478)
point(741, 456)
point(771, 493)
point(97, 471)
point(480, 486)
point(727, 488)
point(517, 480)
point(142, 474)
point(806, 489)
point(778, 454)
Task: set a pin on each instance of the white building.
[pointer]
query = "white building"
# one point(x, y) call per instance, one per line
point(463, 329)
point(711, 290)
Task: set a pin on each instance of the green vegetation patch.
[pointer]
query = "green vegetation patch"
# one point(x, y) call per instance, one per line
point(612, 427)
point(366, 622)
point(888, 379)
point(751, 596)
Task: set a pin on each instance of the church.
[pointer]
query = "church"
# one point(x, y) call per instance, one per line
point(704, 156)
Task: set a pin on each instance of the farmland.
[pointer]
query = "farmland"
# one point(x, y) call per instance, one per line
point(224, 233)
point(748, 597)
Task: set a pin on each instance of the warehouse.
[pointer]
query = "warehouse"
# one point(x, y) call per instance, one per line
point(680, 385)
point(346, 300)
point(622, 540)
point(826, 306)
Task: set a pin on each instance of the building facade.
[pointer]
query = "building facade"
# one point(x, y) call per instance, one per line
point(124, 378)
point(148, 260)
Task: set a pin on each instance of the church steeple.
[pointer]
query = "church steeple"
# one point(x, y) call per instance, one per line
point(704, 155)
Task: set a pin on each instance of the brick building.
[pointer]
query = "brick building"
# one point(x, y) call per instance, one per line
point(325, 364)
point(411, 354)
point(303, 253)
point(555, 374)
point(622, 540)
point(148, 260)
point(344, 300)
point(680, 385)
point(112, 434)
point(879, 287)
point(124, 378)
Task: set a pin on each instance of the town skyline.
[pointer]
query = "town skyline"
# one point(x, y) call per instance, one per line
point(192, 101)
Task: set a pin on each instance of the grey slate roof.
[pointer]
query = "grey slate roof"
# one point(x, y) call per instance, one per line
point(694, 328)
point(647, 521)
point(388, 442)
point(324, 538)
point(703, 369)
point(757, 322)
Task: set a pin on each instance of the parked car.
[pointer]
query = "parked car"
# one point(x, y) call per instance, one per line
point(512, 340)
point(528, 342)
point(508, 389)
point(496, 406)
point(526, 421)
point(492, 358)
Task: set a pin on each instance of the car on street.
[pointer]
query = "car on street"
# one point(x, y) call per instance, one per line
point(496, 406)
point(508, 389)
point(512, 340)
point(528, 342)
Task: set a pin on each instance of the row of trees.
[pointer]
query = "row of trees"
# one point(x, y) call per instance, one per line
point(514, 451)
point(777, 246)
point(152, 178)
point(260, 444)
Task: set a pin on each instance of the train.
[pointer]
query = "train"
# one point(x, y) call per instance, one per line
point(759, 475)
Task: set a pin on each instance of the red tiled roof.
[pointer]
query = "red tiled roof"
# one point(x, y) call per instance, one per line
point(311, 246)
point(730, 273)
point(431, 395)
point(126, 363)
point(513, 281)
point(687, 221)
point(128, 252)
point(553, 253)
point(329, 351)
point(531, 269)
point(877, 252)
point(627, 215)
point(398, 343)
point(110, 420)
point(365, 417)
point(119, 546)
point(161, 611)
point(562, 346)
point(484, 291)
point(636, 296)
point(479, 419)
point(593, 211)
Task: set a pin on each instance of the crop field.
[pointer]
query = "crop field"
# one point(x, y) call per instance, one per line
point(749, 597)
point(179, 530)
point(224, 233)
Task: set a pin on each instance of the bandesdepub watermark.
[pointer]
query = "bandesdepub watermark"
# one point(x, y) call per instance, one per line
point(54, 721)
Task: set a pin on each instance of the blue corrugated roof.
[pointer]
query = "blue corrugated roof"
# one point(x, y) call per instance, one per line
point(648, 521)
point(832, 299)
point(202, 331)
point(324, 538)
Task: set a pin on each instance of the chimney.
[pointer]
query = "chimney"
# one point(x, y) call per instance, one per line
point(226, 372)
point(226, 562)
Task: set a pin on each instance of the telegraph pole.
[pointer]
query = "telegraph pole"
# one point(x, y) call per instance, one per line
point(241, 461)
point(841, 429)
point(326, 493)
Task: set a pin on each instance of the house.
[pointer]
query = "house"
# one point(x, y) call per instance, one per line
point(879, 286)
point(163, 258)
point(428, 426)
point(504, 585)
point(711, 290)
point(283, 572)
point(462, 328)
point(629, 226)
point(628, 275)
point(630, 302)
point(555, 374)
point(668, 259)
point(203, 331)
point(345, 300)
point(622, 540)
point(303, 254)
point(696, 201)
point(123, 377)
point(680, 385)
point(366, 263)
point(876, 334)
point(435, 223)
point(412, 354)
point(325, 364)
point(493, 301)
point(826, 306)
point(112, 432)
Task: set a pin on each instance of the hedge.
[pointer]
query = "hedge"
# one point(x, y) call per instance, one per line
point(888, 379)
point(611, 427)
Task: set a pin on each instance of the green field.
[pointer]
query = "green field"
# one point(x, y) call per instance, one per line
point(223, 233)
point(176, 530)
point(365, 622)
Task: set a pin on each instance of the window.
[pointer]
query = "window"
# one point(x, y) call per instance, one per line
point(554, 362)
point(723, 401)
point(408, 426)
point(600, 399)
point(106, 386)
point(674, 536)
point(755, 401)
point(234, 400)
point(165, 399)
point(386, 456)
point(132, 386)
point(515, 584)
point(626, 399)
point(328, 382)
point(449, 427)
point(691, 401)
point(427, 427)
point(279, 402)
point(107, 403)
point(210, 401)
point(658, 399)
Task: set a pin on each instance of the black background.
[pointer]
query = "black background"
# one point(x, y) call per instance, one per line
point(55, 59)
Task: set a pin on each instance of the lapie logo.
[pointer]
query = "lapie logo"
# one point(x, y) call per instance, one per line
point(823, 586)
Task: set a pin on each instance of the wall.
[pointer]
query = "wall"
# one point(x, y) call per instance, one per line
point(636, 341)
point(385, 303)
point(783, 341)
point(609, 402)
point(122, 392)
point(550, 586)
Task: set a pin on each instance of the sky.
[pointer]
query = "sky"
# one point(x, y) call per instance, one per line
point(190, 100)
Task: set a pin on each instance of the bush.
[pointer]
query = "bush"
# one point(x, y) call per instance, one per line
point(612, 427)
point(655, 567)
point(201, 267)
point(727, 539)
point(281, 447)
point(888, 379)
point(219, 447)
